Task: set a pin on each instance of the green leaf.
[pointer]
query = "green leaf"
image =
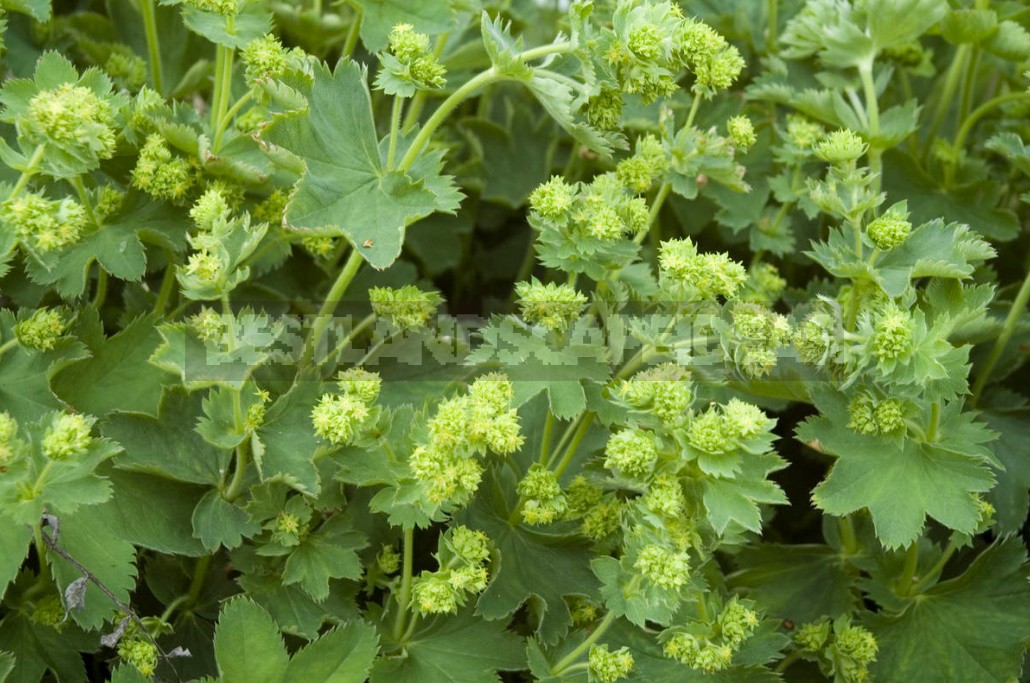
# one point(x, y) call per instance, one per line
point(248, 645)
point(938, 479)
point(14, 545)
point(40, 10)
point(294, 610)
point(328, 553)
point(167, 446)
point(24, 387)
point(247, 25)
point(976, 205)
point(151, 512)
point(217, 522)
point(117, 375)
point(380, 16)
point(971, 628)
point(99, 548)
point(458, 649)
point(540, 567)
point(41, 648)
point(895, 22)
point(343, 655)
point(796, 582)
point(1011, 495)
point(286, 442)
point(6, 665)
point(346, 189)
point(969, 25)
point(736, 500)
point(1011, 42)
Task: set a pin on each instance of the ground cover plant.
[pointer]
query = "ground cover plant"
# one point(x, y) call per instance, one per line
point(495, 340)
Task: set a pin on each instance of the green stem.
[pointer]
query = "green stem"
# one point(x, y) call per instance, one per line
point(146, 8)
point(37, 535)
point(343, 280)
point(570, 659)
point(352, 33)
point(223, 124)
point(418, 102)
point(30, 170)
point(545, 441)
point(577, 439)
point(935, 419)
point(101, 291)
point(172, 606)
point(223, 85)
point(1007, 330)
point(199, 574)
point(947, 96)
point(351, 336)
point(481, 80)
point(405, 592)
point(242, 458)
point(770, 36)
point(872, 105)
point(908, 570)
point(8, 345)
point(564, 440)
point(656, 207)
point(846, 528)
point(80, 190)
point(694, 106)
point(395, 125)
point(167, 286)
point(974, 118)
point(935, 571)
point(787, 661)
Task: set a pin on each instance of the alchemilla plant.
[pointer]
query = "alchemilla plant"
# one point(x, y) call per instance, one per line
point(466, 341)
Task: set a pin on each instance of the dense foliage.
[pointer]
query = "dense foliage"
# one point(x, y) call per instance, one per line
point(460, 341)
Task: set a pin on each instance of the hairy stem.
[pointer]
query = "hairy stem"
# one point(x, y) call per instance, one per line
point(353, 32)
point(146, 8)
point(343, 280)
point(395, 130)
point(570, 659)
point(404, 597)
point(1007, 330)
point(418, 102)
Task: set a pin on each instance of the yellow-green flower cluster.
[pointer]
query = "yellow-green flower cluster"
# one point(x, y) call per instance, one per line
point(554, 306)
point(631, 452)
point(8, 430)
point(871, 416)
point(813, 636)
point(764, 283)
point(662, 566)
point(665, 497)
point(463, 572)
point(126, 67)
point(652, 43)
point(758, 335)
point(339, 418)
point(816, 338)
point(42, 330)
point(162, 174)
point(138, 651)
point(852, 651)
point(462, 428)
point(45, 224)
point(803, 133)
point(607, 666)
point(891, 229)
point(75, 118)
point(543, 500)
point(741, 131)
point(407, 307)
point(698, 275)
point(710, 647)
point(409, 65)
point(664, 391)
point(720, 429)
point(640, 171)
point(67, 436)
point(210, 208)
point(605, 211)
point(892, 334)
point(840, 147)
point(226, 8)
point(389, 560)
point(208, 324)
point(49, 611)
point(264, 57)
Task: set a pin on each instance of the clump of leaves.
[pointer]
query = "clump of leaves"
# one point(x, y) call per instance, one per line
point(476, 341)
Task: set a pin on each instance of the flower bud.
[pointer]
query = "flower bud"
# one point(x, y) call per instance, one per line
point(554, 306)
point(360, 383)
point(407, 44)
point(544, 502)
point(812, 637)
point(408, 307)
point(891, 229)
point(42, 330)
point(337, 418)
point(631, 452)
point(892, 334)
point(663, 567)
point(841, 147)
point(433, 594)
point(140, 653)
point(264, 57)
point(741, 131)
point(67, 436)
point(209, 208)
point(553, 199)
point(607, 666)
